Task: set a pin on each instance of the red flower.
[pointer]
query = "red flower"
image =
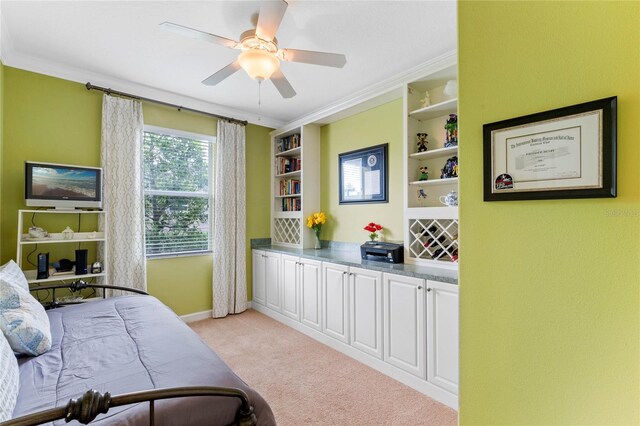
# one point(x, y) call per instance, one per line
point(378, 227)
point(371, 224)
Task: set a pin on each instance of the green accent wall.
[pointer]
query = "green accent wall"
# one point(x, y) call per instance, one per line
point(1, 141)
point(376, 126)
point(53, 120)
point(549, 308)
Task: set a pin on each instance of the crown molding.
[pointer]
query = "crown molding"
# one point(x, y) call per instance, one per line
point(63, 71)
point(372, 96)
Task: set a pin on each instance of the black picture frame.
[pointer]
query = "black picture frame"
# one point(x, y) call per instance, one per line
point(574, 147)
point(363, 175)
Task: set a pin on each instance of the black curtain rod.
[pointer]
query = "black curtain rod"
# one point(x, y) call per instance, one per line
point(108, 91)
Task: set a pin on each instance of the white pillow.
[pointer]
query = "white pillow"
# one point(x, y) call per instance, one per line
point(9, 384)
point(11, 272)
point(23, 320)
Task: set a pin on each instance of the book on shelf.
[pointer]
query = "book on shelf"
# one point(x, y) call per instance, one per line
point(291, 204)
point(290, 187)
point(287, 165)
point(288, 143)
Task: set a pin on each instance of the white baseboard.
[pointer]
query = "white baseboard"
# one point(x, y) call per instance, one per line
point(196, 316)
point(199, 316)
point(414, 382)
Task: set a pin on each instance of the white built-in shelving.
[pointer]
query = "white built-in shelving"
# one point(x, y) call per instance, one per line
point(295, 191)
point(431, 228)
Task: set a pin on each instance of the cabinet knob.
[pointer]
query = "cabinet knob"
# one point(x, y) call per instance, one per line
point(419, 287)
point(428, 289)
point(345, 273)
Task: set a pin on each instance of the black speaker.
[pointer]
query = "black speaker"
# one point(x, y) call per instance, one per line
point(43, 266)
point(81, 261)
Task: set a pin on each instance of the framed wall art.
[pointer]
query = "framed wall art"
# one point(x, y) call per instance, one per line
point(363, 175)
point(567, 152)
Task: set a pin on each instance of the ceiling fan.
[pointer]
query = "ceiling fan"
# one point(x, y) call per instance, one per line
point(260, 55)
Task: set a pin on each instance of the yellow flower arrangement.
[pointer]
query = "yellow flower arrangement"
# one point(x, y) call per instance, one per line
point(315, 222)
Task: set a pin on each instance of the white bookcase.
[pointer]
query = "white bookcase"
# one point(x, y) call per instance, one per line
point(25, 242)
point(431, 229)
point(295, 177)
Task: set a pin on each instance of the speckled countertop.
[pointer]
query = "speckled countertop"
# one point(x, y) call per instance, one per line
point(349, 255)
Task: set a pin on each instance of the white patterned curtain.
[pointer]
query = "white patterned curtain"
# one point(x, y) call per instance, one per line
point(123, 196)
point(229, 255)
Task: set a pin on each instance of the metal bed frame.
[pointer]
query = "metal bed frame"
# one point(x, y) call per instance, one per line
point(93, 403)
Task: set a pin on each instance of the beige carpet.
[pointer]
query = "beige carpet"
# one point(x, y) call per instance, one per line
point(308, 383)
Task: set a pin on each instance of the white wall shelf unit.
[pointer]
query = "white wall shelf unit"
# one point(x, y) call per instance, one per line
point(431, 228)
point(25, 241)
point(295, 192)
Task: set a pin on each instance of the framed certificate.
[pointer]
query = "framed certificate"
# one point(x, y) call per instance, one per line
point(363, 175)
point(568, 152)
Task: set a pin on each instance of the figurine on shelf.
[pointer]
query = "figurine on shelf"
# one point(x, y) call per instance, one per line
point(422, 141)
point(452, 131)
point(424, 173)
point(426, 101)
point(450, 169)
point(422, 194)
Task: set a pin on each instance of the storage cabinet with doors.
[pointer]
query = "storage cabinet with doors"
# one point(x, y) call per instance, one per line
point(266, 279)
point(301, 281)
point(365, 295)
point(335, 301)
point(404, 323)
point(442, 335)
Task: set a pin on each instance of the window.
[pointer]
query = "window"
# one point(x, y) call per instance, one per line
point(178, 197)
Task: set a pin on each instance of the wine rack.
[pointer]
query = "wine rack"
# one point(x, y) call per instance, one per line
point(286, 230)
point(433, 239)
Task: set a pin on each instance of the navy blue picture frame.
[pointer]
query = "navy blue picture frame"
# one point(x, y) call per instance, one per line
point(363, 175)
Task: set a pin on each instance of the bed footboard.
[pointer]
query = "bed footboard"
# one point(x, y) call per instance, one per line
point(86, 408)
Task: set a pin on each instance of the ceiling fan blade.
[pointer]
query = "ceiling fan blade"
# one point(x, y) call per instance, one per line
point(197, 34)
point(225, 72)
point(282, 84)
point(271, 14)
point(335, 60)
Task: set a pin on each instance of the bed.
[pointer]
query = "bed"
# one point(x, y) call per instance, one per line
point(133, 344)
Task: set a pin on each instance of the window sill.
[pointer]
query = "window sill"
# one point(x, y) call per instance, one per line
point(173, 255)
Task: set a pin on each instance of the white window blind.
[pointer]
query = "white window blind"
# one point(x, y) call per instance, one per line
point(178, 191)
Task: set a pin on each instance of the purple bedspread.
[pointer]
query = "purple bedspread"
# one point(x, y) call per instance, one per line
point(126, 344)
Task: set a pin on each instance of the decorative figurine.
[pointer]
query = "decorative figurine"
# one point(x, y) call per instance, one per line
point(450, 169)
point(426, 101)
point(424, 173)
point(452, 131)
point(422, 194)
point(36, 232)
point(67, 234)
point(422, 141)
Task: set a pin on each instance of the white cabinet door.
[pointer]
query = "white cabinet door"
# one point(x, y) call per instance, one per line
point(366, 310)
point(310, 283)
point(259, 276)
point(290, 288)
point(335, 301)
point(442, 335)
point(272, 283)
point(404, 328)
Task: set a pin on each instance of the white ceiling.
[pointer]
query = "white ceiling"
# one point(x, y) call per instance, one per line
point(120, 44)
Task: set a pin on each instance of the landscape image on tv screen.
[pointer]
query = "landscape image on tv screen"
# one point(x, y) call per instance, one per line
point(63, 182)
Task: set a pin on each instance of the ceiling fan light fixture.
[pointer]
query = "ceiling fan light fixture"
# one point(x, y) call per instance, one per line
point(258, 63)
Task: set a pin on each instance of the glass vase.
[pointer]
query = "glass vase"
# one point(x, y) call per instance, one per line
point(318, 243)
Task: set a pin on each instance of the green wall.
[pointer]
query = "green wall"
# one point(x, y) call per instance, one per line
point(53, 120)
point(549, 309)
point(376, 126)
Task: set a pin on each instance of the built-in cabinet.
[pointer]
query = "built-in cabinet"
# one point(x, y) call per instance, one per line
point(365, 292)
point(442, 335)
point(404, 323)
point(335, 301)
point(404, 326)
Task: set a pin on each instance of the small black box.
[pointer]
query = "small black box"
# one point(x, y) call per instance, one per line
point(43, 266)
point(81, 261)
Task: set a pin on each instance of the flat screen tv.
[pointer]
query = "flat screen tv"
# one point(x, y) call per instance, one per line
point(62, 186)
